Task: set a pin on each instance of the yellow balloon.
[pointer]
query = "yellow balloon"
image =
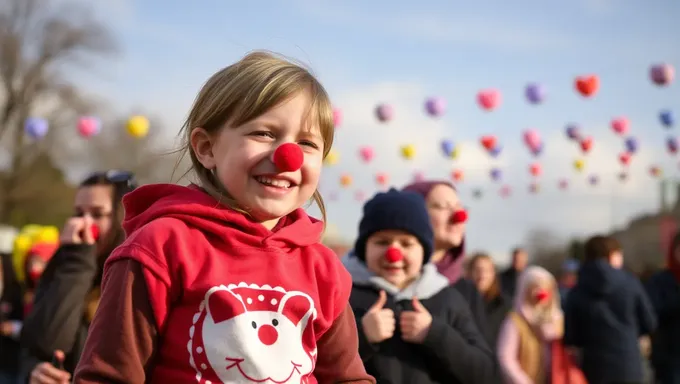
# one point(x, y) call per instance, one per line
point(408, 151)
point(30, 235)
point(579, 164)
point(332, 158)
point(346, 180)
point(138, 126)
point(454, 153)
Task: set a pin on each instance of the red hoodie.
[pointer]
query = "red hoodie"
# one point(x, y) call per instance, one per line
point(233, 301)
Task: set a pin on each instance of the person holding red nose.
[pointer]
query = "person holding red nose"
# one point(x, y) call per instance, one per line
point(414, 327)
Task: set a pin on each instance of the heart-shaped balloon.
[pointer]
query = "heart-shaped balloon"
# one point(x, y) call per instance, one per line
point(620, 125)
point(88, 126)
point(489, 142)
point(384, 113)
point(495, 151)
point(393, 255)
point(587, 85)
point(337, 117)
point(593, 180)
point(496, 174)
point(563, 184)
point(672, 145)
point(573, 132)
point(435, 106)
point(408, 151)
point(662, 74)
point(537, 150)
point(586, 144)
point(448, 147)
point(366, 153)
point(457, 175)
point(359, 196)
point(505, 191)
point(624, 158)
point(532, 138)
point(666, 118)
point(36, 128)
point(418, 176)
point(382, 178)
point(631, 144)
point(535, 93)
point(535, 169)
point(345, 180)
point(489, 99)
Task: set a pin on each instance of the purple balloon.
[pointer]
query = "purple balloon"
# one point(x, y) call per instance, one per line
point(573, 132)
point(672, 144)
point(537, 150)
point(496, 151)
point(384, 112)
point(535, 93)
point(631, 144)
point(448, 147)
point(435, 106)
point(36, 127)
point(593, 179)
point(496, 174)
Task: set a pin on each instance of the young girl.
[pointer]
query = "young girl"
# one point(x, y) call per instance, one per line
point(227, 282)
point(482, 272)
point(414, 326)
point(524, 343)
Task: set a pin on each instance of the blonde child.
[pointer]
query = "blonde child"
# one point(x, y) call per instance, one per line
point(226, 281)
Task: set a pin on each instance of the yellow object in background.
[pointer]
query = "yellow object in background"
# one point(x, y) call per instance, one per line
point(408, 151)
point(138, 126)
point(29, 236)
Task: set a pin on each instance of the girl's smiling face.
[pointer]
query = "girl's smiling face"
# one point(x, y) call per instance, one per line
point(442, 202)
point(400, 272)
point(241, 158)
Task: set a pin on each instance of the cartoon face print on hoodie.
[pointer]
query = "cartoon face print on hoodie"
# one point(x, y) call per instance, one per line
point(255, 333)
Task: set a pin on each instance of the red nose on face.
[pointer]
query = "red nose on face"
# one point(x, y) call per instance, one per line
point(393, 255)
point(288, 157)
point(458, 217)
point(542, 295)
point(267, 334)
point(94, 229)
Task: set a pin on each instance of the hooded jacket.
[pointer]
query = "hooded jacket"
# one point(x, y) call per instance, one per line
point(232, 300)
point(454, 351)
point(606, 313)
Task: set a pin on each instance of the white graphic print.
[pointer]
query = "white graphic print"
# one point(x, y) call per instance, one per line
point(250, 334)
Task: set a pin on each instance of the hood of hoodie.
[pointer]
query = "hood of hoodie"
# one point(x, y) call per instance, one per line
point(600, 278)
point(197, 209)
point(429, 283)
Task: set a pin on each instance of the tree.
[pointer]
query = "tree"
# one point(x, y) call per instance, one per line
point(41, 43)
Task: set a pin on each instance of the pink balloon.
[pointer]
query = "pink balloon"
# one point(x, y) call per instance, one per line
point(620, 125)
point(435, 106)
point(384, 112)
point(563, 184)
point(88, 126)
point(489, 99)
point(662, 74)
point(532, 138)
point(337, 117)
point(360, 196)
point(505, 191)
point(366, 153)
point(418, 176)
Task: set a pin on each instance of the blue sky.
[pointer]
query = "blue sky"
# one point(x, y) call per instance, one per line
point(400, 53)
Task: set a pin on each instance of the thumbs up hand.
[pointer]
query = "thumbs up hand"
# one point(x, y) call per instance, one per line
point(378, 323)
point(415, 324)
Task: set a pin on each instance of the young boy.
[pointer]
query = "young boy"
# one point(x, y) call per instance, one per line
point(413, 326)
point(605, 315)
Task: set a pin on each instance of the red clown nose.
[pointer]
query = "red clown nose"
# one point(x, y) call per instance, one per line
point(542, 295)
point(458, 217)
point(393, 255)
point(94, 229)
point(288, 157)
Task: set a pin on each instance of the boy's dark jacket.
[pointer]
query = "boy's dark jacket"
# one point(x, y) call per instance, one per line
point(606, 313)
point(454, 351)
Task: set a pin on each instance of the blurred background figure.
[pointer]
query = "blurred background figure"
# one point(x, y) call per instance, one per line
point(11, 310)
point(509, 277)
point(568, 277)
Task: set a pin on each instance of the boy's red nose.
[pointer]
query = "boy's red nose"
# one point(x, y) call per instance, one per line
point(459, 217)
point(288, 157)
point(393, 255)
point(542, 295)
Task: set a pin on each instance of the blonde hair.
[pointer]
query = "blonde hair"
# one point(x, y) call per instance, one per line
point(245, 90)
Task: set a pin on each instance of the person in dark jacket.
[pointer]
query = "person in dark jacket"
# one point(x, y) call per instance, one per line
point(606, 314)
point(510, 276)
point(482, 271)
point(414, 327)
point(664, 292)
point(11, 310)
point(68, 291)
point(448, 217)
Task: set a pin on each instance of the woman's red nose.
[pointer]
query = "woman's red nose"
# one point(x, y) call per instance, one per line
point(459, 217)
point(288, 157)
point(542, 295)
point(393, 255)
point(94, 229)
point(267, 334)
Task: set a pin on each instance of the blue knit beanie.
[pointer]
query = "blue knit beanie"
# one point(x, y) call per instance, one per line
point(396, 210)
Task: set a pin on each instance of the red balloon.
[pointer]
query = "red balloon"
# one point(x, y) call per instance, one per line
point(489, 99)
point(586, 144)
point(587, 85)
point(624, 158)
point(489, 142)
point(620, 125)
point(457, 175)
point(535, 169)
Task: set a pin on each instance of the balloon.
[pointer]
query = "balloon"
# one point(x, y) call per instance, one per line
point(579, 164)
point(384, 113)
point(666, 118)
point(573, 132)
point(366, 154)
point(382, 178)
point(457, 175)
point(495, 151)
point(620, 125)
point(489, 142)
point(88, 126)
point(624, 158)
point(36, 128)
point(586, 144)
point(359, 196)
point(532, 138)
point(535, 93)
point(337, 117)
point(672, 145)
point(535, 169)
point(496, 174)
point(587, 86)
point(505, 191)
point(631, 144)
point(345, 180)
point(534, 188)
point(655, 171)
point(448, 147)
point(593, 180)
point(563, 184)
point(334, 196)
point(477, 193)
point(662, 74)
point(332, 158)
point(408, 151)
point(537, 150)
point(435, 106)
point(623, 176)
point(138, 126)
point(489, 99)
point(418, 176)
